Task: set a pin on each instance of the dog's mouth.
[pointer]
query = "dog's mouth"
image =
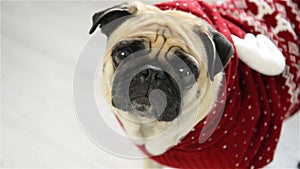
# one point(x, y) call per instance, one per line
point(153, 93)
point(140, 103)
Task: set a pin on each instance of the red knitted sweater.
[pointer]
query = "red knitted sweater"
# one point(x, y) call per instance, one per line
point(248, 130)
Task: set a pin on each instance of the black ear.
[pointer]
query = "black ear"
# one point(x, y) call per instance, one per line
point(120, 12)
point(218, 55)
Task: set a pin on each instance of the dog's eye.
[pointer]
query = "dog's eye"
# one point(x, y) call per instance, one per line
point(190, 63)
point(125, 48)
point(120, 56)
point(186, 75)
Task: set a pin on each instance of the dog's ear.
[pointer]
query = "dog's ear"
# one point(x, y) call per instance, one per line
point(104, 19)
point(219, 51)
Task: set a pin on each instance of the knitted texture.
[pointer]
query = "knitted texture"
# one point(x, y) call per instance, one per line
point(247, 131)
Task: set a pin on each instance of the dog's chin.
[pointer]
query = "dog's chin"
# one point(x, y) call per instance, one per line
point(150, 115)
point(141, 118)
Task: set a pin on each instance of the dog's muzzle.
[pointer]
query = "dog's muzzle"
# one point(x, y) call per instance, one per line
point(152, 93)
point(147, 87)
point(167, 94)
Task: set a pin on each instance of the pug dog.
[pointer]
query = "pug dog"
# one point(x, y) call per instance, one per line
point(164, 72)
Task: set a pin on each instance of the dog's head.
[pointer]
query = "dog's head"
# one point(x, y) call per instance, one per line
point(160, 64)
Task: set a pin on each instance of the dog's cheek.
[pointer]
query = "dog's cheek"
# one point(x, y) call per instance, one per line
point(108, 69)
point(206, 88)
point(106, 81)
point(191, 97)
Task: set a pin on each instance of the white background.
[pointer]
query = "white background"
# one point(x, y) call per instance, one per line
point(40, 44)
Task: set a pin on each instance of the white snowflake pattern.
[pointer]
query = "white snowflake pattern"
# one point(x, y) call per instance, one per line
point(283, 25)
point(241, 4)
point(263, 8)
point(293, 89)
point(293, 48)
point(281, 8)
point(295, 9)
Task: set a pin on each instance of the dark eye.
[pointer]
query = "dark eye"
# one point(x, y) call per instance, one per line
point(119, 56)
point(125, 48)
point(186, 75)
point(191, 71)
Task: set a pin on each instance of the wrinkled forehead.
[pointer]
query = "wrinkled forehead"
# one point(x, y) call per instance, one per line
point(153, 24)
point(153, 21)
point(160, 27)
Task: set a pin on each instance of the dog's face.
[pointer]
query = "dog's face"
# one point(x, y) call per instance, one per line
point(160, 64)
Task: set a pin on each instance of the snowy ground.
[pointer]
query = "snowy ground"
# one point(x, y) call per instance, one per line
point(40, 45)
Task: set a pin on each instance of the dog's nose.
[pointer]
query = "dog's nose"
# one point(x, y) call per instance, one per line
point(153, 74)
point(153, 92)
